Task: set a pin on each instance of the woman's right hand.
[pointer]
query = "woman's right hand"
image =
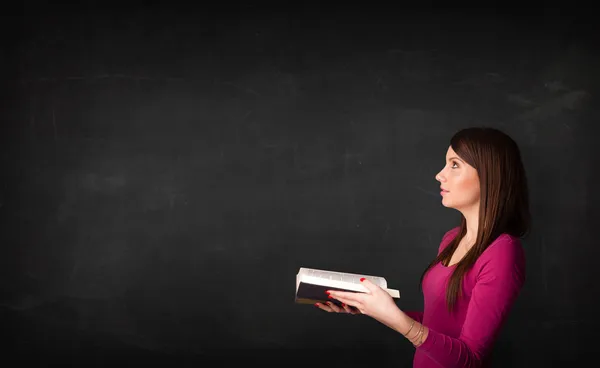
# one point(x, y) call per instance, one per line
point(330, 307)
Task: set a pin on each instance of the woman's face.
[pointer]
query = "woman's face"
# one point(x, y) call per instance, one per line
point(459, 183)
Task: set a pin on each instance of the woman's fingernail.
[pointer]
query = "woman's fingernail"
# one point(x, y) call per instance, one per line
point(327, 292)
point(343, 305)
point(362, 279)
point(316, 304)
point(330, 296)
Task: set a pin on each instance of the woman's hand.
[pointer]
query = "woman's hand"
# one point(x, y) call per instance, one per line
point(331, 307)
point(376, 303)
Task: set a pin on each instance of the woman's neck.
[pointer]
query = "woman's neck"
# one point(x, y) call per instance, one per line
point(472, 219)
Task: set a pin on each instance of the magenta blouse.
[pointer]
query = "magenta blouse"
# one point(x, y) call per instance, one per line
point(465, 338)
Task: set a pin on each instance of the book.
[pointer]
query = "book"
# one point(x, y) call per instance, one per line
point(312, 283)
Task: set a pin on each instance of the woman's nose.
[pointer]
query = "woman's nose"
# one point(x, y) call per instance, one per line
point(439, 177)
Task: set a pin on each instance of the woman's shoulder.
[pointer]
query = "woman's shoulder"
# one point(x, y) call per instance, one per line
point(505, 252)
point(505, 244)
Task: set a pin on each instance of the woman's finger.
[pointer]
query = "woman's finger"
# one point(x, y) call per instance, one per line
point(335, 307)
point(350, 309)
point(325, 307)
point(343, 300)
point(350, 298)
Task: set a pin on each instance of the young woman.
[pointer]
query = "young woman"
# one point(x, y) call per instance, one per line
point(470, 287)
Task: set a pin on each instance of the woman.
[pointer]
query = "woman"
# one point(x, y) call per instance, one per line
point(470, 287)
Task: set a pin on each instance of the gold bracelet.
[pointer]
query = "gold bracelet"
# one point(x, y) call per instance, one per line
point(416, 342)
point(411, 326)
point(417, 335)
point(421, 338)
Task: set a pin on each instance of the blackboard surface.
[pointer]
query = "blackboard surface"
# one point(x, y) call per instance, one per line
point(165, 173)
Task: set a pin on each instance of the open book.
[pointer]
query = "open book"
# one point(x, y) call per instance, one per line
point(311, 285)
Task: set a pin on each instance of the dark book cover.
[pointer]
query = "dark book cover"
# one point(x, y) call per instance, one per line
point(310, 294)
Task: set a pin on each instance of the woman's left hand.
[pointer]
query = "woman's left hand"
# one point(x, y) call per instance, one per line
point(376, 303)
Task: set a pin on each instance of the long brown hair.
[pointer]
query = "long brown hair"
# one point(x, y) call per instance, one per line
point(504, 198)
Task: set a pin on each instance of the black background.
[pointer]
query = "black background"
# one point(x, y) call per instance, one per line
point(166, 171)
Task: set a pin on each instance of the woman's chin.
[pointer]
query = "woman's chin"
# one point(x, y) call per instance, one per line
point(447, 204)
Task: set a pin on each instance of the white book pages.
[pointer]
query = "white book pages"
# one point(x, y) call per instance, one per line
point(338, 277)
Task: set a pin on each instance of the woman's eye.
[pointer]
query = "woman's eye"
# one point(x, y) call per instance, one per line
point(454, 165)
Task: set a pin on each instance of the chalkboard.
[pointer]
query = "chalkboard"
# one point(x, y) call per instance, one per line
point(166, 173)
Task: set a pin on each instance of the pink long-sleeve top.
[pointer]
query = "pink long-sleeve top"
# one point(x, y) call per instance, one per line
point(465, 338)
